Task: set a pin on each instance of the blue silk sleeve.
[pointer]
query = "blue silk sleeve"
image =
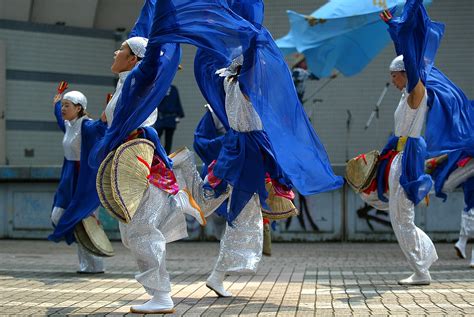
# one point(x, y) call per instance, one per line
point(59, 117)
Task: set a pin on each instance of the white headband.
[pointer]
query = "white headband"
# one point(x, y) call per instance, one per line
point(137, 45)
point(77, 98)
point(231, 70)
point(397, 65)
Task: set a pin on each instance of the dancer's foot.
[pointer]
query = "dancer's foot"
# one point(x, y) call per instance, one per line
point(215, 282)
point(472, 260)
point(416, 279)
point(189, 206)
point(161, 303)
point(460, 248)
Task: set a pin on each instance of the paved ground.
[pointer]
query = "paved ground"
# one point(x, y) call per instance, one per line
point(37, 278)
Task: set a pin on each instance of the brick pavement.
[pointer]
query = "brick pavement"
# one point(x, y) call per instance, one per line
point(38, 278)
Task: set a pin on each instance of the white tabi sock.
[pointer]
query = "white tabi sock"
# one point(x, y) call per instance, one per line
point(160, 303)
point(216, 283)
point(460, 246)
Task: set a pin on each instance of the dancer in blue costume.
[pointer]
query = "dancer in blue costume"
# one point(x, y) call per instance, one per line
point(76, 197)
point(222, 35)
point(146, 69)
point(450, 120)
point(241, 244)
point(244, 154)
point(449, 126)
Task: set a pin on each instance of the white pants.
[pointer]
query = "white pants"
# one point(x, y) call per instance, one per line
point(467, 223)
point(241, 246)
point(87, 261)
point(455, 179)
point(156, 222)
point(415, 244)
point(187, 176)
point(458, 176)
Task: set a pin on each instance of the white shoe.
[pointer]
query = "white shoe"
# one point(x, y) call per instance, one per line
point(416, 279)
point(158, 304)
point(471, 265)
point(460, 249)
point(189, 206)
point(217, 286)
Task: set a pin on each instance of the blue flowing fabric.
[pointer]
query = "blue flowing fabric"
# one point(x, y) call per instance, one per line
point(59, 116)
point(450, 119)
point(77, 191)
point(273, 95)
point(144, 22)
point(243, 159)
point(211, 85)
point(206, 63)
point(266, 79)
point(143, 89)
point(468, 188)
point(69, 171)
point(250, 10)
point(67, 184)
point(413, 179)
point(207, 24)
point(223, 34)
point(207, 145)
point(350, 26)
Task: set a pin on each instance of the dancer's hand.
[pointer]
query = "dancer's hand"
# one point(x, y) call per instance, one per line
point(386, 15)
point(312, 21)
point(57, 98)
point(103, 117)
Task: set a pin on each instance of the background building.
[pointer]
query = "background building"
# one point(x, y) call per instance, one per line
point(45, 41)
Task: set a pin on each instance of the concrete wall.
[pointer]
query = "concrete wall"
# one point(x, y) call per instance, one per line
point(26, 195)
point(40, 55)
point(2, 103)
point(37, 56)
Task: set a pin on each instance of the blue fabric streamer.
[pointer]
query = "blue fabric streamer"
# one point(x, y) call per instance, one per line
point(144, 22)
point(207, 145)
point(265, 78)
point(413, 179)
point(468, 188)
point(59, 116)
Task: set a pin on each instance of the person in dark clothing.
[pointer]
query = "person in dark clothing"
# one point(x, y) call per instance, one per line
point(169, 113)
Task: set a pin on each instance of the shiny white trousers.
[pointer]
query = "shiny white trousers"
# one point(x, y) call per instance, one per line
point(87, 261)
point(467, 223)
point(188, 177)
point(415, 244)
point(455, 179)
point(157, 221)
point(241, 246)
